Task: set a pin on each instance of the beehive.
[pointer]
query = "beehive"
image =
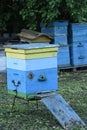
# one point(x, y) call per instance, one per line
point(78, 44)
point(63, 56)
point(58, 30)
point(31, 69)
point(79, 54)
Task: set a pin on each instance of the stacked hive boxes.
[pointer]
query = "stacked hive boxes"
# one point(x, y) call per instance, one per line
point(31, 69)
point(58, 30)
point(78, 44)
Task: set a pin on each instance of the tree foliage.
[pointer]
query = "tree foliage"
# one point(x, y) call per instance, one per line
point(47, 11)
point(38, 10)
point(10, 19)
point(16, 14)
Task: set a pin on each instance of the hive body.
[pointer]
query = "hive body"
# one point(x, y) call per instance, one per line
point(59, 31)
point(31, 69)
point(78, 44)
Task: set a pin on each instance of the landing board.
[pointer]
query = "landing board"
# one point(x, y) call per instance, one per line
point(65, 115)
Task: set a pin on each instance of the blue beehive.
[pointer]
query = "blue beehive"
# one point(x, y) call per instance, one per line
point(31, 69)
point(79, 54)
point(63, 56)
point(58, 30)
point(78, 44)
point(77, 32)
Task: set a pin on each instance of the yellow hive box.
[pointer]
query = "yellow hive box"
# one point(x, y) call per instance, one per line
point(31, 51)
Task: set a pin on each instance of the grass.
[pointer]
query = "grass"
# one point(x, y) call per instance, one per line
point(72, 86)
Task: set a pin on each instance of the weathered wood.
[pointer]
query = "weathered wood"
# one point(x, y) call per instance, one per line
point(65, 115)
point(33, 36)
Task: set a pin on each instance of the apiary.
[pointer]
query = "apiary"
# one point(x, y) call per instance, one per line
point(32, 72)
point(31, 69)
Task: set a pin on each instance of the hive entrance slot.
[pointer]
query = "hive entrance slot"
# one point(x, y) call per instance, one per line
point(42, 77)
point(31, 75)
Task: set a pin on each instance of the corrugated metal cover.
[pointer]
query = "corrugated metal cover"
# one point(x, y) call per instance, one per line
point(65, 115)
point(33, 36)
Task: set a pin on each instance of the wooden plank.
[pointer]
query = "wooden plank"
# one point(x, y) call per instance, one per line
point(62, 111)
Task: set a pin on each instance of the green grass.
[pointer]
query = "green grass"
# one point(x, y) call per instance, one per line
point(72, 86)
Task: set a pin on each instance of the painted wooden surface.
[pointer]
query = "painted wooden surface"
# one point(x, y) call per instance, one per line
point(77, 32)
point(79, 53)
point(29, 82)
point(79, 38)
point(31, 69)
point(34, 64)
point(48, 30)
point(62, 39)
point(32, 56)
point(78, 26)
point(58, 30)
point(31, 51)
point(63, 56)
point(62, 111)
point(78, 44)
point(56, 23)
point(55, 31)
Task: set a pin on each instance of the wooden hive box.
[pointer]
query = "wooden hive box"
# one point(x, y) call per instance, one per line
point(79, 54)
point(63, 56)
point(58, 30)
point(31, 69)
point(78, 43)
point(77, 32)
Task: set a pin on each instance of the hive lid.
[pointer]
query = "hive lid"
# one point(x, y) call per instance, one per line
point(33, 36)
point(31, 51)
point(30, 46)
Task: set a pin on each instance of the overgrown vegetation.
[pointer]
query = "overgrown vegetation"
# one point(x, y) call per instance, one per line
point(16, 14)
point(72, 86)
